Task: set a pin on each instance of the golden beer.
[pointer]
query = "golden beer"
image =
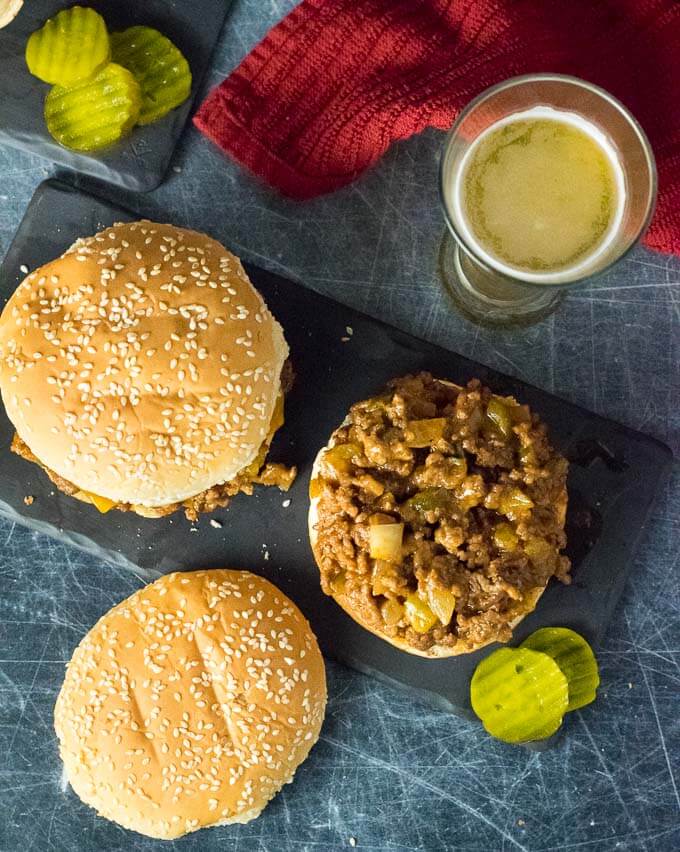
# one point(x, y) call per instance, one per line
point(541, 192)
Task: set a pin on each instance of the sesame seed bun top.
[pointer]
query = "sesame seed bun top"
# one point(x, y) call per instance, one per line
point(191, 703)
point(142, 365)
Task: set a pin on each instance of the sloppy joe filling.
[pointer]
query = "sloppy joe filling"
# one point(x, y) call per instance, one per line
point(440, 513)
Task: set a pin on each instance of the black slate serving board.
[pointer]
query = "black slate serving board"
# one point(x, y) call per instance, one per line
point(140, 160)
point(341, 356)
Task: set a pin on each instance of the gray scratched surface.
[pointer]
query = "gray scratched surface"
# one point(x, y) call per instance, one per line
point(389, 771)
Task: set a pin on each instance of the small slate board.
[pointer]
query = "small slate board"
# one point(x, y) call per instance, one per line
point(614, 475)
point(140, 160)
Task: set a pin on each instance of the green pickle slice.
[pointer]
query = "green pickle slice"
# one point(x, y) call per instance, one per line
point(160, 68)
point(69, 47)
point(519, 694)
point(96, 112)
point(575, 658)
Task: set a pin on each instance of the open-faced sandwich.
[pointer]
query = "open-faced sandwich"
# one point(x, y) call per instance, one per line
point(437, 515)
point(143, 371)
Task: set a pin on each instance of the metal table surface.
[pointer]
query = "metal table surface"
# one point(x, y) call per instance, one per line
point(389, 773)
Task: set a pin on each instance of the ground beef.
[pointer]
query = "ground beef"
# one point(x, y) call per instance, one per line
point(481, 496)
point(287, 377)
point(264, 473)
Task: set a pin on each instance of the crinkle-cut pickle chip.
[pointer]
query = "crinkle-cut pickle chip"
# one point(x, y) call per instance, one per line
point(95, 113)
point(159, 66)
point(69, 47)
point(519, 694)
point(575, 658)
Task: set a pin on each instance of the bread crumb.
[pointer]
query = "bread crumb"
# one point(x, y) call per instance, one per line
point(344, 339)
point(286, 503)
point(29, 499)
point(193, 529)
point(352, 841)
point(177, 170)
point(215, 523)
point(521, 823)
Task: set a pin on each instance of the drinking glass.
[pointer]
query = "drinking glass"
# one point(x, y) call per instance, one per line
point(479, 288)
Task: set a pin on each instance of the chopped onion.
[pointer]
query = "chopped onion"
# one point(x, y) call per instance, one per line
point(385, 541)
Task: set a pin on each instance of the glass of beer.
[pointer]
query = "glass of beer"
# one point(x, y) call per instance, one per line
point(546, 181)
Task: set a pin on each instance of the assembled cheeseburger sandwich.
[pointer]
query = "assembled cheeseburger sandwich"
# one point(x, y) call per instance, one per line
point(143, 372)
point(437, 515)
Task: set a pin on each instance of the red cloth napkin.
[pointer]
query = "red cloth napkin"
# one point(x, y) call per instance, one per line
point(321, 98)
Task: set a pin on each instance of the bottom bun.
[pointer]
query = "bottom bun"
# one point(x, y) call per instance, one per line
point(191, 703)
